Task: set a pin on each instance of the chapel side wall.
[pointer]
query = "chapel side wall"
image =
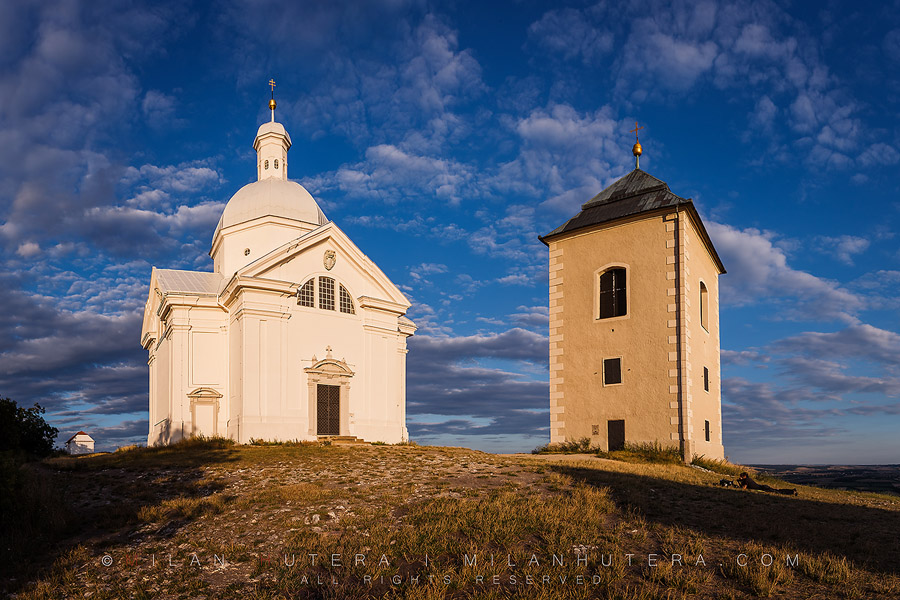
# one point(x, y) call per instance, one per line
point(208, 345)
point(160, 426)
point(579, 341)
point(180, 425)
point(382, 415)
point(703, 345)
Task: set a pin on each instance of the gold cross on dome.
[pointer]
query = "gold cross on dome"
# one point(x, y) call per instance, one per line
point(635, 130)
point(272, 85)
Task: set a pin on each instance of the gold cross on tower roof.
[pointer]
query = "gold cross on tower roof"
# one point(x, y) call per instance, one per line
point(636, 149)
point(272, 101)
point(635, 130)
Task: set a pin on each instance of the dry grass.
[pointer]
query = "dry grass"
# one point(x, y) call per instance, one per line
point(182, 508)
point(430, 511)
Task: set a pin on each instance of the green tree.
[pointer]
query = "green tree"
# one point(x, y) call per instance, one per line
point(24, 429)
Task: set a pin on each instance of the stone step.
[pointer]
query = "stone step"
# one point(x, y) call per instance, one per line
point(341, 439)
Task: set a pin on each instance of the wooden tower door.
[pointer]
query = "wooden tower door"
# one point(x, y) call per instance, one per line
point(615, 435)
point(328, 409)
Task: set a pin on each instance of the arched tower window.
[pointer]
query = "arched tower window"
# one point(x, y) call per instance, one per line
point(704, 306)
point(266, 165)
point(326, 293)
point(346, 302)
point(612, 297)
point(276, 163)
point(306, 294)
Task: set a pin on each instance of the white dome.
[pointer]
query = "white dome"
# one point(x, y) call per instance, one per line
point(271, 197)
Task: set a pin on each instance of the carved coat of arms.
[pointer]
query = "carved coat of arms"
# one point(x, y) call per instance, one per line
point(330, 259)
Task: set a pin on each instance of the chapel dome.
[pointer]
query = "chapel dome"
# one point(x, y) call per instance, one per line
point(271, 197)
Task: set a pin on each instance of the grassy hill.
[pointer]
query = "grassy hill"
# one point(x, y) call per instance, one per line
point(210, 519)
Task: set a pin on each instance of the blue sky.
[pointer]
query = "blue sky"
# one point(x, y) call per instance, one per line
point(444, 138)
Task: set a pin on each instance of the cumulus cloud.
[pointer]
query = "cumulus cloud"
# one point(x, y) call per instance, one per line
point(856, 341)
point(759, 270)
point(843, 247)
point(445, 379)
point(392, 175)
point(59, 357)
point(567, 33)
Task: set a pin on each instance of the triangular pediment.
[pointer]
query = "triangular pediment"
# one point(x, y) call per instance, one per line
point(306, 256)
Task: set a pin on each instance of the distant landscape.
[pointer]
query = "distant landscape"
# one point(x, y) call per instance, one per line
point(884, 479)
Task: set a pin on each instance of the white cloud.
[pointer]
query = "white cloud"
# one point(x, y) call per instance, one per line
point(391, 175)
point(856, 341)
point(158, 108)
point(879, 154)
point(843, 247)
point(568, 33)
point(28, 249)
point(758, 270)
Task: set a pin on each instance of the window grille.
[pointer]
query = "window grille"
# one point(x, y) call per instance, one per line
point(613, 299)
point(346, 302)
point(306, 295)
point(326, 293)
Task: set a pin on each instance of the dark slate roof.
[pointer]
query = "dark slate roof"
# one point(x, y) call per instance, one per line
point(636, 193)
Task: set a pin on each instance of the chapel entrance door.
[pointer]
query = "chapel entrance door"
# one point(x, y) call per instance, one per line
point(328, 409)
point(615, 435)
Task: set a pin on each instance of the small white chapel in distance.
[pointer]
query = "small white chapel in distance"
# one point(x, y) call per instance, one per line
point(295, 335)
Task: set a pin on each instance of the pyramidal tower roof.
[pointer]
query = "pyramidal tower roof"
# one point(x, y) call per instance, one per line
point(634, 194)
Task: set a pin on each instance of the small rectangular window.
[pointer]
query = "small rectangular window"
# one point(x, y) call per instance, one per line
point(326, 293)
point(612, 371)
point(707, 430)
point(706, 379)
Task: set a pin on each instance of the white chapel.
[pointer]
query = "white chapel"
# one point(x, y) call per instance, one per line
point(294, 335)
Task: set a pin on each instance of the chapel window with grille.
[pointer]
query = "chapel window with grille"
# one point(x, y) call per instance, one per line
point(346, 302)
point(326, 293)
point(306, 294)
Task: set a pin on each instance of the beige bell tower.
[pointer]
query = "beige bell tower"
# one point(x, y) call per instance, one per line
point(634, 321)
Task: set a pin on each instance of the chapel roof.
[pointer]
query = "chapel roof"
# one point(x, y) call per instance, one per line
point(77, 434)
point(636, 193)
point(271, 197)
point(190, 282)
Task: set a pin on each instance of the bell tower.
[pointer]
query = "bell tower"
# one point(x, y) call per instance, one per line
point(634, 322)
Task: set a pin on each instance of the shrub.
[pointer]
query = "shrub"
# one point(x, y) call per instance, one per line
point(580, 446)
point(25, 430)
point(646, 452)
